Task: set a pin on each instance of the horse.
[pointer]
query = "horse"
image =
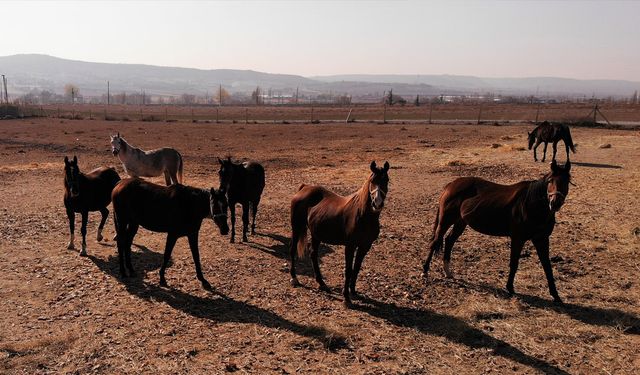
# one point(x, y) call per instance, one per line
point(243, 183)
point(85, 192)
point(352, 221)
point(522, 211)
point(550, 132)
point(177, 210)
point(140, 163)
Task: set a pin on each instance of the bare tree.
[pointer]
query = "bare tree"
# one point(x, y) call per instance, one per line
point(222, 96)
point(256, 95)
point(71, 92)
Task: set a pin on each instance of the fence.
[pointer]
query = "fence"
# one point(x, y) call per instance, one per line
point(429, 113)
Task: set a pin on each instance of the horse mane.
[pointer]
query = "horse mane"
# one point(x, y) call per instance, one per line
point(535, 191)
point(361, 197)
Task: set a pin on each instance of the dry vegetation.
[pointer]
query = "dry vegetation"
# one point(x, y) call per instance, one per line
point(62, 313)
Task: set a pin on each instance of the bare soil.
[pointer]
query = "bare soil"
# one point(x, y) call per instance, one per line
point(62, 313)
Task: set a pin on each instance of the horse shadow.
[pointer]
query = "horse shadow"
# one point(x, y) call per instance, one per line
point(453, 329)
point(281, 250)
point(220, 309)
point(596, 316)
point(596, 165)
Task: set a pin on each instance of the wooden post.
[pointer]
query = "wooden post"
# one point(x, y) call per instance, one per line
point(165, 113)
point(192, 119)
point(105, 113)
point(595, 113)
point(312, 114)
point(537, 113)
point(90, 117)
point(603, 116)
point(141, 116)
point(480, 113)
point(217, 117)
point(348, 116)
point(430, 111)
point(246, 115)
point(384, 114)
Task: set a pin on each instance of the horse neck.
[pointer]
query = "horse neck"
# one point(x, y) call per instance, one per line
point(362, 198)
point(203, 198)
point(536, 198)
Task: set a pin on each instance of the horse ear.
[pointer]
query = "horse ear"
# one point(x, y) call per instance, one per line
point(374, 167)
point(220, 161)
point(118, 135)
point(554, 166)
point(386, 166)
point(75, 159)
point(66, 160)
point(229, 158)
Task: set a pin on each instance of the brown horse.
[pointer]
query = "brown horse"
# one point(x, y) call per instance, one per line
point(550, 132)
point(352, 221)
point(85, 192)
point(522, 211)
point(177, 210)
point(243, 183)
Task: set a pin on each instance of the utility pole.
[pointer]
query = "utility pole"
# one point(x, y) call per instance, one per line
point(108, 94)
point(6, 95)
point(220, 96)
point(297, 95)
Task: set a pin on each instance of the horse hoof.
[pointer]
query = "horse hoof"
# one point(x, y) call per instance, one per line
point(348, 304)
point(233, 240)
point(245, 239)
point(71, 247)
point(163, 283)
point(294, 282)
point(557, 300)
point(206, 285)
point(99, 237)
point(83, 253)
point(355, 295)
point(324, 288)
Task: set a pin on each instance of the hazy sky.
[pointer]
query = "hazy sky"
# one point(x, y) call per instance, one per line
point(497, 39)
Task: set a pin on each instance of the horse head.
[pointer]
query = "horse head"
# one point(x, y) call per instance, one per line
point(558, 181)
point(218, 206)
point(72, 176)
point(116, 143)
point(532, 138)
point(378, 185)
point(226, 172)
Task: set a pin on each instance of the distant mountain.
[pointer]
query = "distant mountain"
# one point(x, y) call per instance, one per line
point(42, 72)
point(26, 72)
point(526, 86)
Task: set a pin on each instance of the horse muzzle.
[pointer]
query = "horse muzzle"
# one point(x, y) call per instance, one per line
point(115, 152)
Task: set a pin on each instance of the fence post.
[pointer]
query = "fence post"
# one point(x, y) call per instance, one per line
point(165, 113)
point(480, 113)
point(192, 119)
point(537, 113)
point(312, 114)
point(217, 118)
point(90, 117)
point(430, 111)
point(349, 115)
point(246, 115)
point(384, 114)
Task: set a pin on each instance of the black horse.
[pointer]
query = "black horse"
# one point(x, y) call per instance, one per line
point(243, 184)
point(177, 210)
point(550, 132)
point(84, 193)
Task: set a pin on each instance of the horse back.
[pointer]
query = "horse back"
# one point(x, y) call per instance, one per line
point(95, 190)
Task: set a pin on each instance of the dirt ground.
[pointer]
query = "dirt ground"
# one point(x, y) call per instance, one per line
point(62, 313)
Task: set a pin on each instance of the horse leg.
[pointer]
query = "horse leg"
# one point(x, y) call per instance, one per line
point(174, 176)
point(168, 248)
point(293, 251)
point(105, 213)
point(133, 229)
point(452, 237)
point(544, 152)
point(361, 252)
point(245, 221)
point(542, 248)
point(566, 146)
point(555, 149)
point(83, 230)
point(348, 273)
point(443, 224)
point(232, 208)
point(535, 150)
point(516, 250)
point(167, 178)
point(195, 253)
point(72, 225)
point(254, 212)
point(315, 246)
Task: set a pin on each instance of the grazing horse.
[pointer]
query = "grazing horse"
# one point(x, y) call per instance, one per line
point(177, 210)
point(140, 163)
point(243, 183)
point(353, 221)
point(522, 211)
point(84, 192)
point(550, 132)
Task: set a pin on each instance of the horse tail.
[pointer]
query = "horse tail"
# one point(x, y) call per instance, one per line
point(569, 141)
point(435, 223)
point(299, 211)
point(179, 172)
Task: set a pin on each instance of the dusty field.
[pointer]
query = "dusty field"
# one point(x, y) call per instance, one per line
point(61, 313)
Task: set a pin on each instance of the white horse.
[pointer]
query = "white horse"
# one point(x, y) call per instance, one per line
point(140, 163)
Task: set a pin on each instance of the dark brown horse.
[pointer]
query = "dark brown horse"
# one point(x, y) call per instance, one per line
point(550, 132)
point(177, 210)
point(523, 211)
point(243, 183)
point(352, 221)
point(85, 192)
